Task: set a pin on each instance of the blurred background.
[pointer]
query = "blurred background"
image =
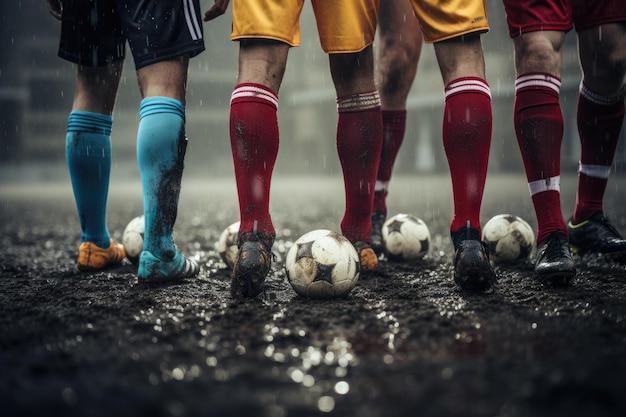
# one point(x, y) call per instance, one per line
point(37, 87)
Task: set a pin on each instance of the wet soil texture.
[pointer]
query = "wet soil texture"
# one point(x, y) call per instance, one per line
point(405, 342)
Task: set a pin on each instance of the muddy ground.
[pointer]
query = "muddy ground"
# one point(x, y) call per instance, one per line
point(405, 342)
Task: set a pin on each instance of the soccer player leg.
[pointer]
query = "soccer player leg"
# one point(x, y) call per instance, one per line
point(254, 138)
point(466, 132)
point(359, 142)
point(88, 155)
point(161, 145)
point(398, 56)
point(600, 115)
point(539, 130)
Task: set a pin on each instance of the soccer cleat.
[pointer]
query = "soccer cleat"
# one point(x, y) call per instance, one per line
point(152, 268)
point(554, 265)
point(92, 257)
point(367, 257)
point(472, 268)
point(253, 263)
point(596, 234)
point(376, 237)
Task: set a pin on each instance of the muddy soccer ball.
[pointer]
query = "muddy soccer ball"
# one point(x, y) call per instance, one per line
point(405, 238)
point(509, 237)
point(132, 239)
point(227, 244)
point(322, 264)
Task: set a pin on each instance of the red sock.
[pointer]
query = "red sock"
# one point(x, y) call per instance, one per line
point(254, 143)
point(467, 126)
point(599, 123)
point(394, 126)
point(359, 142)
point(539, 130)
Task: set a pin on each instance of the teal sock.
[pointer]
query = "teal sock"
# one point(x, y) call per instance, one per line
point(161, 145)
point(88, 155)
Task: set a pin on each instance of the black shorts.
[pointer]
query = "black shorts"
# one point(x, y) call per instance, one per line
point(94, 32)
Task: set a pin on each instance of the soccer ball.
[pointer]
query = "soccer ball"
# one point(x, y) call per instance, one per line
point(509, 238)
point(227, 244)
point(322, 264)
point(132, 239)
point(405, 238)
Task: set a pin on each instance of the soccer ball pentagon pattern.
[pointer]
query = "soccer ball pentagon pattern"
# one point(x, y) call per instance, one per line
point(227, 244)
point(322, 264)
point(405, 238)
point(132, 239)
point(509, 238)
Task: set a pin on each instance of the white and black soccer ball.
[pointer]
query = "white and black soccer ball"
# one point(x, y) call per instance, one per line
point(322, 264)
point(227, 244)
point(405, 238)
point(509, 237)
point(132, 239)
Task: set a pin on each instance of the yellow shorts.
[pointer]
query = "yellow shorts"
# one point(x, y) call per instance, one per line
point(446, 19)
point(344, 26)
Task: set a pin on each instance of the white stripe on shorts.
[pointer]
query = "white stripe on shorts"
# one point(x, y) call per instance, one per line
point(192, 22)
point(545, 184)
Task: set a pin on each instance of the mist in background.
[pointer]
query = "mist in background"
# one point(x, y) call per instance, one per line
point(37, 87)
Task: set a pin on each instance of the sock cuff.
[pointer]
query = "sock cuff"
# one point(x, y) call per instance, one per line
point(158, 104)
point(359, 102)
point(254, 92)
point(467, 85)
point(600, 99)
point(538, 81)
point(85, 121)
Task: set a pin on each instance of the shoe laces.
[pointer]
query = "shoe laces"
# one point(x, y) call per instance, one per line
point(556, 246)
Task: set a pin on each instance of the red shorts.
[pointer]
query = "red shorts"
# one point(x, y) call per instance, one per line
point(524, 16)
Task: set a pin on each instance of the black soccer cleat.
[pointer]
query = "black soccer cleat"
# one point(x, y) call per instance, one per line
point(554, 265)
point(253, 263)
point(472, 269)
point(376, 237)
point(596, 235)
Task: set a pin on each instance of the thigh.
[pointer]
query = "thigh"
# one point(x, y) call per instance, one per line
point(164, 78)
point(353, 73)
point(539, 51)
point(262, 62)
point(460, 58)
point(399, 49)
point(91, 34)
point(161, 30)
point(443, 20)
point(603, 57)
point(346, 26)
point(96, 87)
point(267, 19)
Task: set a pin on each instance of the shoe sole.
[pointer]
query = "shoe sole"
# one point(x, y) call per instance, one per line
point(556, 279)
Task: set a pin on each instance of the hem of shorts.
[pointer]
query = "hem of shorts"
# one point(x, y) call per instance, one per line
point(479, 31)
point(192, 49)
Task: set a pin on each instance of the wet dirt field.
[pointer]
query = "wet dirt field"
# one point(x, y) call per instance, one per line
point(405, 342)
